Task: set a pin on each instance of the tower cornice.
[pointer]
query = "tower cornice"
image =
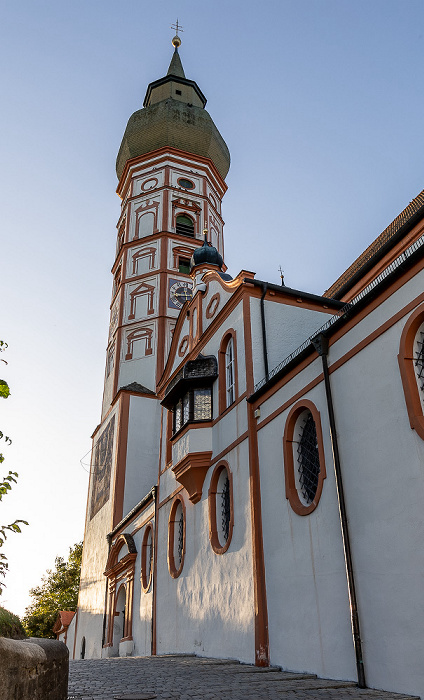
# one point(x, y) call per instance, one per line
point(163, 153)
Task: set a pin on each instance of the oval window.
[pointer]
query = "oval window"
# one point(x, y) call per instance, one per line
point(147, 558)
point(221, 512)
point(186, 184)
point(176, 537)
point(304, 464)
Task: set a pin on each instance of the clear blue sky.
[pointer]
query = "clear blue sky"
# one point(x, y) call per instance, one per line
point(321, 105)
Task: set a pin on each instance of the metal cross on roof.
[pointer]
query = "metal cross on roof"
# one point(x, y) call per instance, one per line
point(177, 27)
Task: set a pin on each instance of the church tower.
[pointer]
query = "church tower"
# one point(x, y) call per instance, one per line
point(171, 168)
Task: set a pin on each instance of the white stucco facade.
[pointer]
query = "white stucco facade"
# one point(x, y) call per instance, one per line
point(240, 420)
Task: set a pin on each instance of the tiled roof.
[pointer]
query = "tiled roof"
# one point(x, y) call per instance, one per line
point(372, 250)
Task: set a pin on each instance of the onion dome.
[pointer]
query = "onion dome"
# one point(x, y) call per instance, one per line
point(173, 115)
point(206, 255)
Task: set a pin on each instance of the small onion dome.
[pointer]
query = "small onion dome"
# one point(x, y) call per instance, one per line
point(207, 254)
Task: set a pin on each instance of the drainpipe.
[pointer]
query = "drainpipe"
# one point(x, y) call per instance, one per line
point(154, 566)
point(109, 544)
point(264, 344)
point(320, 343)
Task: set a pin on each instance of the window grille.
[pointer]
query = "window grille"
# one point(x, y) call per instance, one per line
point(184, 226)
point(195, 405)
point(308, 459)
point(202, 404)
point(229, 372)
point(419, 361)
point(180, 543)
point(225, 508)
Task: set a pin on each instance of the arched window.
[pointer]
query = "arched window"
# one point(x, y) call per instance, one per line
point(230, 373)
point(184, 225)
point(228, 389)
point(147, 558)
point(82, 653)
point(304, 463)
point(411, 364)
point(176, 537)
point(221, 510)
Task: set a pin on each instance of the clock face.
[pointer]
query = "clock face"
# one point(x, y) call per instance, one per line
point(180, 291)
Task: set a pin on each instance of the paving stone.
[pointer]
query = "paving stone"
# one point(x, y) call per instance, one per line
point(186, 677)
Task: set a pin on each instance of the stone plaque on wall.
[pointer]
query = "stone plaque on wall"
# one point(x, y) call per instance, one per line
point(101, 468)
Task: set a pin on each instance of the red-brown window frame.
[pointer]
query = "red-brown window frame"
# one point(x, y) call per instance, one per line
point(146, 582)
point(213, 528)
point(171, 537)
point(222, 402)
point(407, 371)
point(289, 462)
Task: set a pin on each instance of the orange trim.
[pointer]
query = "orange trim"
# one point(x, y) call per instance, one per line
point(171, 535)
point(291, 491)
point(121, 459)
point(174, 155)
point(191, 472)
point(75, 635)
point(258, 561)
point(212, 307)
point(170, 497)
point(222, 373)
point(217, 547)
point(146, 582)
point(407, 371)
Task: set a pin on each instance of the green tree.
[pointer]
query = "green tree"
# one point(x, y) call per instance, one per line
point(58, 591)
point(6, 485)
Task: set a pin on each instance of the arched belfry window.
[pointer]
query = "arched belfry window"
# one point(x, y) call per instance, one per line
point(176, 537)
point(304, 463)
point(411, 364)
point(221, 510)
point(228, 389)
point(184, 225)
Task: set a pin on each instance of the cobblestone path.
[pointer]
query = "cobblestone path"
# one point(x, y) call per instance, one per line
point(193, 678)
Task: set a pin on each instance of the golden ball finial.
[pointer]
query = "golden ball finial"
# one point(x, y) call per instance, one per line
point(176, 41)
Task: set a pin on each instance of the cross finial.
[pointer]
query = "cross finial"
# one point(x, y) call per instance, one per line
point(281, 275)
point(176, 41)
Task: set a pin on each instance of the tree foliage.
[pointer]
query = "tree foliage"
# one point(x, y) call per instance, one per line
point(10, 625)
point(58, 591)
point(6, 486)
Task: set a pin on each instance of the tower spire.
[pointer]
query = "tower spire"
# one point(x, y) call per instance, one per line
point(176, 67)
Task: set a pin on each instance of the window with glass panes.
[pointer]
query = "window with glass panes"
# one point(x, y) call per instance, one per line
point(195, 405)
point(229, 373)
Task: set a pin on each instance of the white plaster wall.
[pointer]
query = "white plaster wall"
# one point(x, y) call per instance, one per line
point(382, 462)
point(139, 369)
point(142, 605)
point(287, 327)
point(195, 440)
point(209, 608)
point(91, 600)
point(308, 606)
point(142, 450)
point(70, 637)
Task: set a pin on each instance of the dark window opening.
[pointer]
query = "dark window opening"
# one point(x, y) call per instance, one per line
point(194, 406)
point(184, 225)
point(308, 459)
point(184, 265)
point(187, 184)
point(419, 361)
point(178, 92)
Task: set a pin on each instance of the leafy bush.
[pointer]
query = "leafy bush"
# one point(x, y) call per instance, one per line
point(58, 591)
point(10, 625)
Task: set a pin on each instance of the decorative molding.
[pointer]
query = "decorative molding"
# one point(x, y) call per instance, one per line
point(212, 307)
point(191, 472)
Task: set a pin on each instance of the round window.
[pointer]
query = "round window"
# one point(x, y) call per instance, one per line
point(186, 184)
point(176, 538)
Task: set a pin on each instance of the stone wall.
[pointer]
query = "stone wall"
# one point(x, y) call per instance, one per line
point(35, 669)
